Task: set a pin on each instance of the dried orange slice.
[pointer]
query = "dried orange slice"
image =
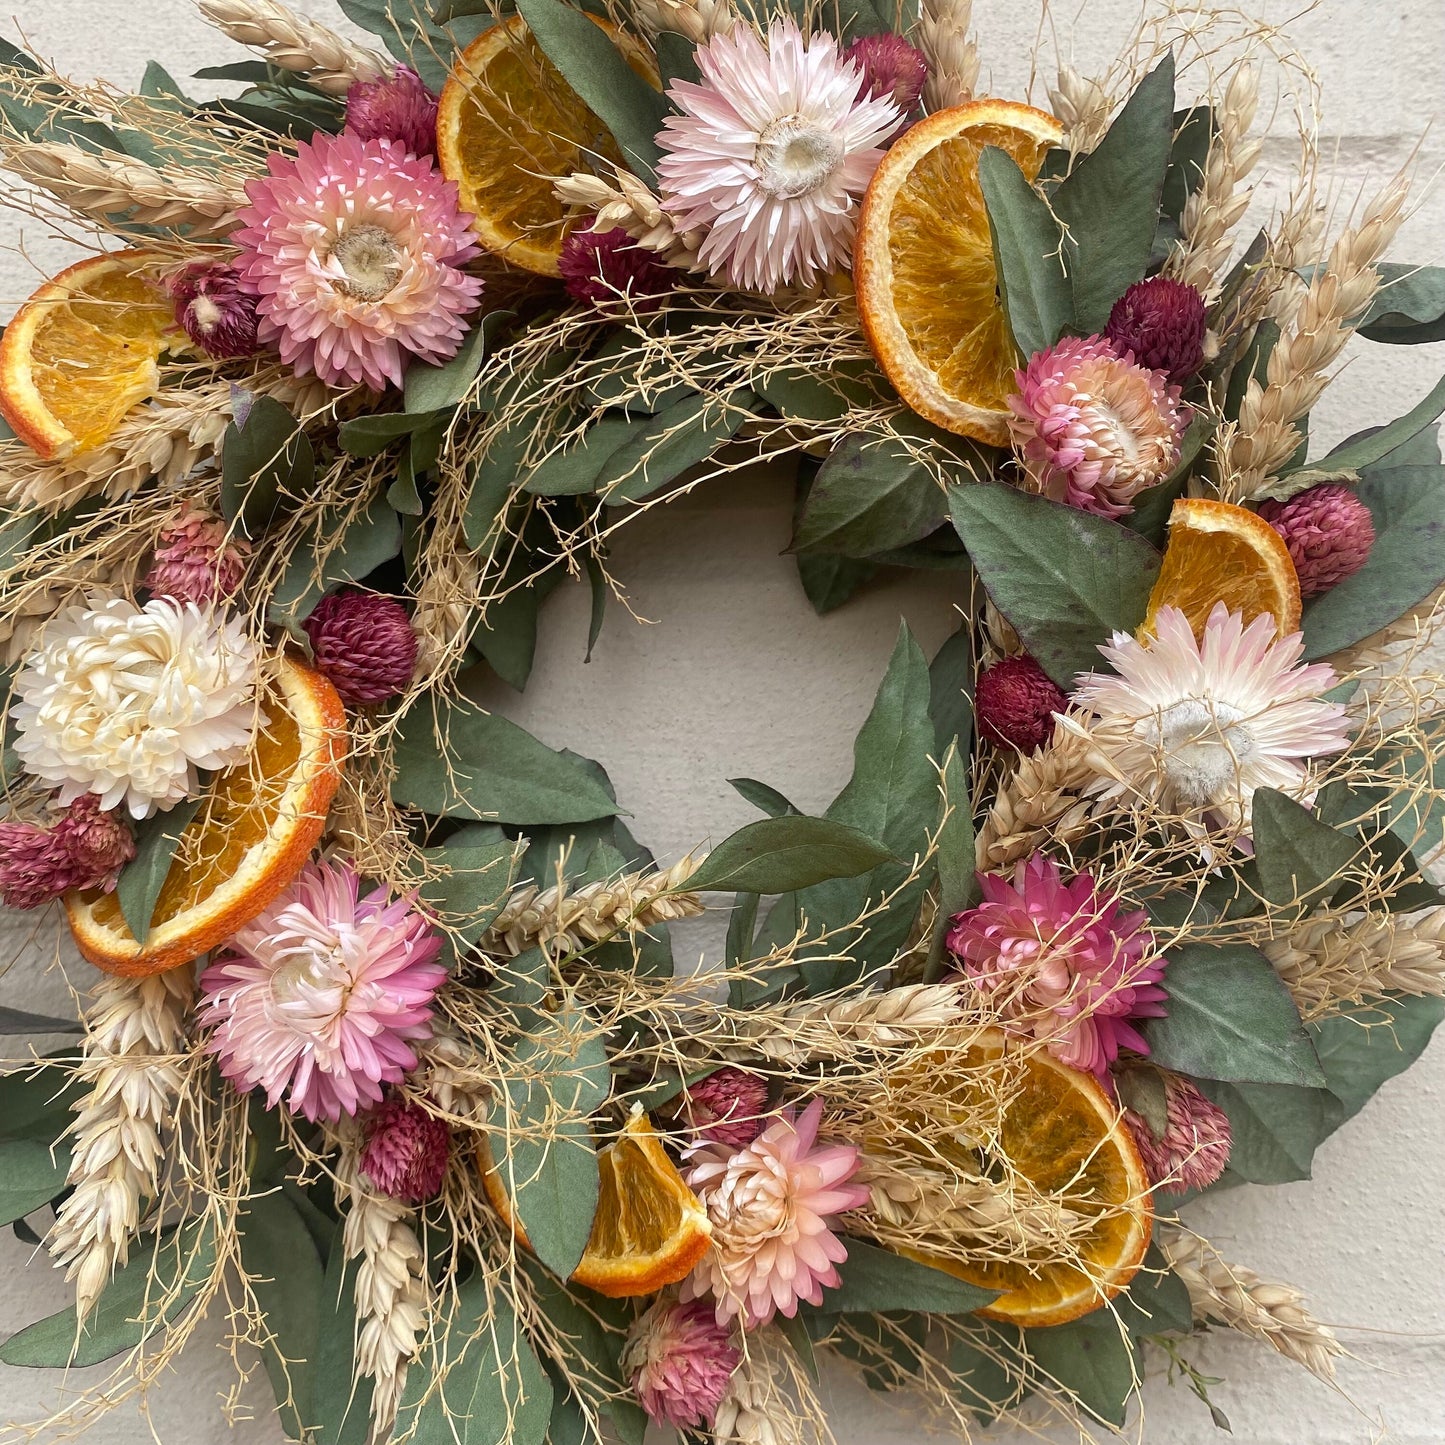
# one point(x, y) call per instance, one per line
point(650, 1229)
point(1062, 1133)
point(82, 351)
point(509, 126)
point(252, 835)
point(923, 265)
point(1218, 552)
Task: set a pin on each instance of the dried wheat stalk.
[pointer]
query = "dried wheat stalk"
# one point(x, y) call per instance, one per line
point(25, 613)
point(1083, 107)
point(698, 20)
point(770, 1399)
point(632, 206)
point(951, 53)
point(103, 187)
point(134, 1030)
point(1256, 1307)
point(454, 1077)
point(1329, 965)
point(562, 919)
point(392, 1293)
point(1038, 801)
point(328, 60)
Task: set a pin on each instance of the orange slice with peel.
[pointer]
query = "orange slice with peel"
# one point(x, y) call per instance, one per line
point(650, 1229)
point(1064, 1135)
point(923, 265)
point(82, 351)
point(509, 127)
point(252, 835)
point(1218, 552)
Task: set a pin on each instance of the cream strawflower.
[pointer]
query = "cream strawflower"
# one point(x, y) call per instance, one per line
point(771, 153)
point(1195, 727)
point(128, 702)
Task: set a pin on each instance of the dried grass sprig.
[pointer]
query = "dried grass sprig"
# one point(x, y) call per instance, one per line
point(135, 1028)
point(951, 52)
point(1260, 1308)
point(1329, 965)
point(329, 61)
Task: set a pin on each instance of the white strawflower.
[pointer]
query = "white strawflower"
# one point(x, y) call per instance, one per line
point(1195, 726)
point(771, 153)
point(128, 702)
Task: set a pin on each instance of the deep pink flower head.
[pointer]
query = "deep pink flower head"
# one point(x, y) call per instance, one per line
point(396, 107)
point(600, 267)
point(353, 248)
point(405, 1150)
point(364, 643)
point(772, 1206)
point(195, 560)
point(679, 1360)
point(891, 67)
point(1091, 428)
point(319, 998)
point(727, 1107)
point(216, 311)
point(1195, 1145)
point(1161, 323)
point(84, 848)
point(1063, 964)
point(1329, 532)
point(1015, 701)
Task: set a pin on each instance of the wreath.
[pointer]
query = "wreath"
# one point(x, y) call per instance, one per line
point(384, 1057)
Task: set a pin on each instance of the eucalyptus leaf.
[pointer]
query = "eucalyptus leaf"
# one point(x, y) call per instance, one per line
point(342, 1394)
point(874, 1279)
point(1409, 308)
point(830, 581)
point(408, 31)
point(20, 1021)
point(1296, 854)
point(1275, 1128)
point(1095, 1362)
point(764, 798)
point(369, 436)
point(678, 437)
point(957, 878)
point(950, 692)
point(32, 1173)
point(1065, 579)
point(1374, 446)
point(1153, 506)
point(1156, 1301)
point(470, 893)
point(1188, 154)
point(437, 388)
point(575, 470)
point(368, 539)
point(1360, 1051)
point(267, 466)
point(141, 880)
point(779, 855)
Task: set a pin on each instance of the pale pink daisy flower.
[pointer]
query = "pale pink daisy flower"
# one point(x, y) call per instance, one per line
point(772, 1207)
point(1091, 428)
point(771, 153)
point(1194, 726)
point(353, 249)
point(679, 1360)
point(319, 999)
point(1062, 963)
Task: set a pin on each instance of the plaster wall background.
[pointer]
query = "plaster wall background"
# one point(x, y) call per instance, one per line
point(736, 676)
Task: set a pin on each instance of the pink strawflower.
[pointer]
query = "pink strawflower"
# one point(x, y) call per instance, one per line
point(602, 267)
point(1015, 701)
point(1091, 428)
point(196, 560)
point(1062, 963)
point(216, 311)
point(405, 1150)
point(679, 1359)
point(1161, 323)
point(772, 1206)
point(771, 154)
point(395, 107)
point(353, 248)
point(1329, 532)
point(319, 999)
point(1194, 1148)
point(364, 643)
point(84, 848)
point(727, 1107)
point(891, 68)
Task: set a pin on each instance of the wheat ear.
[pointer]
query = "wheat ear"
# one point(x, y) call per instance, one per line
point(697, 20)
point(135, 1028)
point(952, 54)
point(1038, 800)
point(292, 42)
point(1082, 106)
point(632, 206)
point(1256, 1307)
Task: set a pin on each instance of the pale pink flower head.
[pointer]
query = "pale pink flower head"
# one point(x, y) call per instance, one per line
point(771, 154)
point(85, 847)
point(727, 1107)
point(405, 1150)
point(353, 248)
point(772, 1207)
point(1329, 532)
point(1194, 1149)
point(319, 999)
point(1193, 726)
point(1091, 428)
point(1061, 962)
point(679, 1359)
point(196, 560)
point(395, 107)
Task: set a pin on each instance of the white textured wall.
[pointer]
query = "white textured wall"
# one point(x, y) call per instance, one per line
point(736, 676)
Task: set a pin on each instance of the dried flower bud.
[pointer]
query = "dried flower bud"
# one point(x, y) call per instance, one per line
point(215, 312)
point(405, 1150)
point(727, 1107)
point(195, 560)
point(1162, 323)
point(364, 643)
point(1015, 701)
point(397, 107)
point(1329, 533)
point(891, 67)
point(86, 848)
point(599, 267)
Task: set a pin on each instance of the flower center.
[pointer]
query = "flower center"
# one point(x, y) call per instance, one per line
point(1203, 746)
point(368, 255)
point(794, 158)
